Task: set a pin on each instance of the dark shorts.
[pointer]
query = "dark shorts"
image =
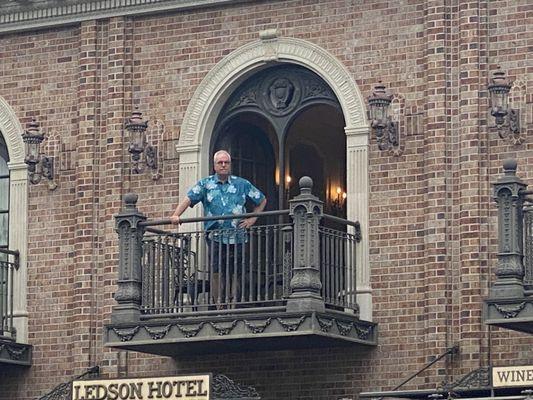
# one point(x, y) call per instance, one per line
point(225, 258)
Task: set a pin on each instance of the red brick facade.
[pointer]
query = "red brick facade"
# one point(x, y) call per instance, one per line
point(432, 219)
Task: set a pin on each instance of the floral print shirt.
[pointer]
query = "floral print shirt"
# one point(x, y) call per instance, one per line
point(224, 198)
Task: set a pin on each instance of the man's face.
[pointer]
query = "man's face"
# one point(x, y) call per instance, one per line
point(222, 165)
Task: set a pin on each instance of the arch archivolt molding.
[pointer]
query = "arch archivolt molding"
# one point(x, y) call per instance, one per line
point(18, 212)
point(11, 130)
point(230, 71)
point(205, 105)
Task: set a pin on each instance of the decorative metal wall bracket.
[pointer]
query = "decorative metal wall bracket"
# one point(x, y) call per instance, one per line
point(387, 130)
point(509, 126)
point(388, 137)
point(64, 390)
point(507, 119)
point(136, 126)
point(39, 165)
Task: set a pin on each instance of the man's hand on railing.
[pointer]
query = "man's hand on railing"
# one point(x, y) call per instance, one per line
point(247, 222)
point(180, 209)
point(175, 220)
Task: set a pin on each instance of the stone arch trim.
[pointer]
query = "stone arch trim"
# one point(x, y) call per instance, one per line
point(229, 71)
point(223, 79)
point(11, 130)
point(18, 212)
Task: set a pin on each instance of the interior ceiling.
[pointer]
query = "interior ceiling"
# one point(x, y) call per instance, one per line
point(318, 125)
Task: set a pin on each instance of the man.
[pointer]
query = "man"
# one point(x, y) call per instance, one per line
point(223, 194)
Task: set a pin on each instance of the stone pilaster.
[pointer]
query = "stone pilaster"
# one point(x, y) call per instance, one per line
point(18, 240)
point(189, 174)
point(357, 201)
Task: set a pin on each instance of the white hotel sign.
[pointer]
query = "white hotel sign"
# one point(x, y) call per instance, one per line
point(195, 387)
point(512, 376)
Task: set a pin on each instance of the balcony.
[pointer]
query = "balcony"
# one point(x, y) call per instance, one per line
point(11, 352)
point(510, 302)
point(288, 282)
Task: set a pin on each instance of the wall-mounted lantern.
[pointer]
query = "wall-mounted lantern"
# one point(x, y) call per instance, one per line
point(507, 119)
point(385, 128)
point(136, 126)
point(39, 165)
point(288, 181)
point(338, 202)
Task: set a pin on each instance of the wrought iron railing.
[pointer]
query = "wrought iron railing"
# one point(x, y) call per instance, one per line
point(304, 259)
point(338, 261)
point(223, 269)
point(217, 269)
point(9, 263)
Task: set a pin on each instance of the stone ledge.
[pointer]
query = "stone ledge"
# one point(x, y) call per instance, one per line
point(12, 353)
point(233, 333)
point(514, 314)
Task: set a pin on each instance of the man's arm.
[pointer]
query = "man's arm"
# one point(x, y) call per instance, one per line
point(248, 222)
point(180, 209)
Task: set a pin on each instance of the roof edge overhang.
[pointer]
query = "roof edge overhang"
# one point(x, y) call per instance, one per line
point(49, 14)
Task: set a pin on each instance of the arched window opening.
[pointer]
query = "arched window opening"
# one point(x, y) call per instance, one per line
point(224, 90)
point(316, 147)
point(282, 123)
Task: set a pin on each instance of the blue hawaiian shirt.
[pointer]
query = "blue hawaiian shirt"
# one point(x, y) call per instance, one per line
point(225, 198)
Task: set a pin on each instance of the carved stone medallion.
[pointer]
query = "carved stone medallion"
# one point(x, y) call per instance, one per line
point(281, 95)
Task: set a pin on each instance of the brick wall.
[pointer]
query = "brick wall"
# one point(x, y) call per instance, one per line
point(432, 220)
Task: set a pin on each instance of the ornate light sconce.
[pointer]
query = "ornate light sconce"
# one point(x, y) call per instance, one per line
point(386, 129)
point(337, 205)
point(288, 181)
point(136, 126)
point(507, 119)
point(39, 165)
